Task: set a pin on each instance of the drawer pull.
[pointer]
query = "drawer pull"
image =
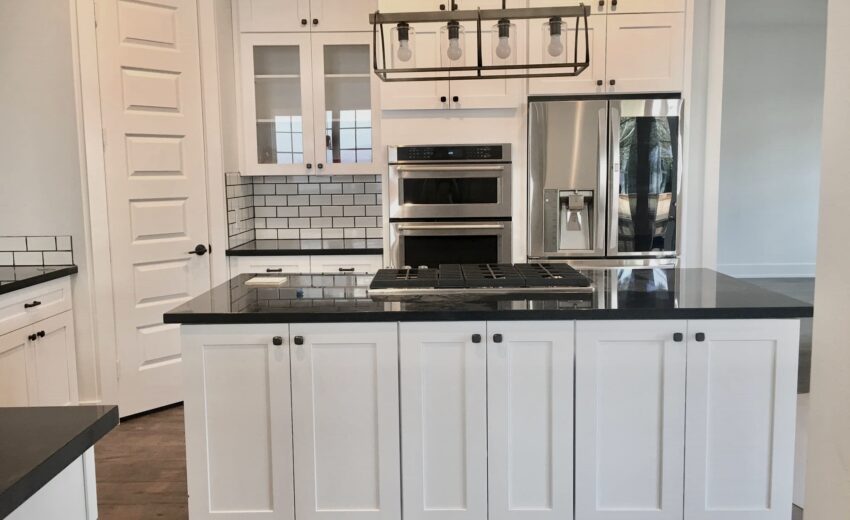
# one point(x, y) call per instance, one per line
point(299, 340)
point(278, 270)
point(32, 337)
point(35, 303)
point(40, 334)
point(346, 269)
point(277, 341)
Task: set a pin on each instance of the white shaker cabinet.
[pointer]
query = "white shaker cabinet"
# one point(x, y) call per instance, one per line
point(17, 373)
point(346, 420)
point(304, 15)
point(741, 419)
point(630, 427)
point(443, 375)
point(530, 419)
point(238, 422)
point(401, 95)
point(644, 6)
point(645, 53)
point(55, 360)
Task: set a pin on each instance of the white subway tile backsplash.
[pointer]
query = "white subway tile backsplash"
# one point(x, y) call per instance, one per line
point(36, 250)
point(7, 258)
point(332, 211)
point(41, 243)
point(354, 211)
point(58, 258)
point(28, 258)
point(13, 243)
point(342, 200)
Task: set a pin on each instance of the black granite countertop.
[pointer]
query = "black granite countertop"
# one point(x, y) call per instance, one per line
point(15, 278)
point(670, 293)
point(37, 443)
point(292, 248)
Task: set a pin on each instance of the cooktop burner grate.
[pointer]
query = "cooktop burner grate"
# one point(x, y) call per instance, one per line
point(404, 278)
point(482, 276)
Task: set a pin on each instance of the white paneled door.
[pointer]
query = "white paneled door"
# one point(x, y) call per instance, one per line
point(156, 186)
point(443, 372)
point(630, 420)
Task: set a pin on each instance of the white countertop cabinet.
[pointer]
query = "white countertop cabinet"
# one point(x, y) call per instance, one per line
point(474, 420)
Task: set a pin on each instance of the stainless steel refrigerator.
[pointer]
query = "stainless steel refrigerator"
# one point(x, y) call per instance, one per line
point(604, 177)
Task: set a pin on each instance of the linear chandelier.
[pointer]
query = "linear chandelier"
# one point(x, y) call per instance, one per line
point(557, 59)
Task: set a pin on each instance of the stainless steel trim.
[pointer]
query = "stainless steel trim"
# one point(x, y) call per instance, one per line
point(614, 177)
point(494, 291)
point(442, 167)
point(608, 263)
point(601, 204)
point(429, 227)
point(392, 154)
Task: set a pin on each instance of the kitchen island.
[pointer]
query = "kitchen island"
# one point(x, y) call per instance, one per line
point(663, 394)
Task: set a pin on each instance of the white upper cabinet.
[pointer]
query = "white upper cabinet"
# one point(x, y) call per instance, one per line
point(644, 6)
point(346, 421)
point(304, 15)
point(630, 420)
point(400, 95)
point(592, 80)
point(740, 422)
point(645, 52)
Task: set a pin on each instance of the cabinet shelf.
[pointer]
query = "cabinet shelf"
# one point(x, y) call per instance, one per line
point(276, 76)
point(358, 75)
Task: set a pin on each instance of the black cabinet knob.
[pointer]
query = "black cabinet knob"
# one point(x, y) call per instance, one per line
point(35, 303)
point(320, 166)
point(277, 341)
point(199, 250)
point(299, 340)
point(442, 7)
point(442, 99)
point(678, 337)
point(612, 82)
point(599, 82)
point(32, 337)
point(455, 99)
point(315, 21)
point(700, 336)
point(303, 21)
point(309, 166)
point(601, 3)
point(40, 334)
point(614, 3)
point(476, 338)
point(497, 338)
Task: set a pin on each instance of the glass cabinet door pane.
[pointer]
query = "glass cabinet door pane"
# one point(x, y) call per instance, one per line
point(277, 94)
point(348, 104)
point(648, 182)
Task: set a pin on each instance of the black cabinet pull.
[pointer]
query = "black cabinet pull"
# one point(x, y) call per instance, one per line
point(309, 166)
point(346, 269)
point(35, 303)
point(299, 340)
point(700, 336)
point(455, 99)
point(270, 270)
point(497, 338)
point(601, 3)
point(612, 82)
point(614, 3)
point(320, 166)
point(40, 334)
point(678, 337)
point(277, 341)
point(32, 337)
point(599, 82)
point(476, 338)
point(315, 21)
point(199, 250)
point(442, 99)
point(303, 21)
point(442, 7)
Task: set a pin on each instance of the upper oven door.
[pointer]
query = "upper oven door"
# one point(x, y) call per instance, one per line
point(450, 190)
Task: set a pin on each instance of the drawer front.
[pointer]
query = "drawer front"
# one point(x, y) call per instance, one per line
point(345, 263)
point(26, 306)
point(269, 264)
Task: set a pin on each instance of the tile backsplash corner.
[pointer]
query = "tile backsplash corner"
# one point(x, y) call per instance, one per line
point(36, 250)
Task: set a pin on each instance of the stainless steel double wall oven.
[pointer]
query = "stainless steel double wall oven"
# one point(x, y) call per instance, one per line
point(449, 204)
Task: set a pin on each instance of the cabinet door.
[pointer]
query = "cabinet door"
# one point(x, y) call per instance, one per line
point(55, 359)
point(238, 422)
point(443, 420)
point(345, 420)
point(273, 15)
point(401, 95)
point(342, 15)
point(345, 92)
point(645, 6)
point(277, 108)
point(404, 6)
point(630, 420)
point(530, 419)
point(742, 386)
point(17, 377)
point(587, 81)
point(645, 52)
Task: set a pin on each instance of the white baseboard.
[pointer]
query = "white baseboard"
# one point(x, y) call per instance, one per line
point(768, 270)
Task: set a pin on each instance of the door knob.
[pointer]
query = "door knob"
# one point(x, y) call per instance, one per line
point(199, 250)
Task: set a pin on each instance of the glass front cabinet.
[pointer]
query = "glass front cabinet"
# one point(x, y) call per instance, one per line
point(307, 104)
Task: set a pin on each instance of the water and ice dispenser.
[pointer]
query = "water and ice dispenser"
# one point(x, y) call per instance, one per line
point(568, 220)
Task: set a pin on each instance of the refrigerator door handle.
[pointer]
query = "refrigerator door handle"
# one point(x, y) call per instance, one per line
point(602, 183)
point(614, 185)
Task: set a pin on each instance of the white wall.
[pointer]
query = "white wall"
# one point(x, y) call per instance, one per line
point(40, 169)
point(828, 477)
point(771, 136)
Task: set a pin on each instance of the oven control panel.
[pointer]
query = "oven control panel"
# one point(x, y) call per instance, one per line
point(451, 153)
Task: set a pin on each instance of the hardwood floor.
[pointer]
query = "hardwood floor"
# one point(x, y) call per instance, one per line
point(141, 469)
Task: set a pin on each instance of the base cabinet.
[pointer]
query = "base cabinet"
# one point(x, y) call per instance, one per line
point(345, 420)
point(530, 420)
point(742, 394)
point(630, 420)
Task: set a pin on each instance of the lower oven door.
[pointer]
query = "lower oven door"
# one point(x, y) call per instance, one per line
point(430, 244)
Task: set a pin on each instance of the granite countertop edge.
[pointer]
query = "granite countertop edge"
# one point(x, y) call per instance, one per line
point(58, 272)
point(13, 496)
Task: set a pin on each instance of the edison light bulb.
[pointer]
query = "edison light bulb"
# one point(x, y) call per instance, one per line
point(555, 47)
point(404, 53)
point(454, 52)
point(503, 50)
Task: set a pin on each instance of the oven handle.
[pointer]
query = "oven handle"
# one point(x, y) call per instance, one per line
point(429, 227)
point(455, 168)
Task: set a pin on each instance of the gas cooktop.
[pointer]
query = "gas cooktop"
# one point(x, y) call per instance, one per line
point(480, 279)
